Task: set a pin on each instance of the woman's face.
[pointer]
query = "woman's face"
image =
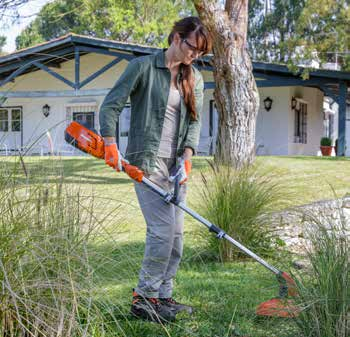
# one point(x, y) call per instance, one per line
point(187, 49)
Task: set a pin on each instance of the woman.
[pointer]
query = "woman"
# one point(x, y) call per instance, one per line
point(166, 96)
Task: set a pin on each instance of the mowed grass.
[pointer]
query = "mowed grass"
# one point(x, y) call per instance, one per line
point(224, 295)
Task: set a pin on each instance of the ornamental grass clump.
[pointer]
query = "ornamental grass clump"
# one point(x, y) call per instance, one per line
point(324, 292)
point(46, 277)
point(240, 202)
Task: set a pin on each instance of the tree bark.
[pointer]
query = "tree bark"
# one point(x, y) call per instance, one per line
point(236, 94)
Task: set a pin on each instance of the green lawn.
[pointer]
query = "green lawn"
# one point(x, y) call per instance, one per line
point(224, 295)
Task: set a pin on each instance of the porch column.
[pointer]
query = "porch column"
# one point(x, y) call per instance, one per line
point(343, 88)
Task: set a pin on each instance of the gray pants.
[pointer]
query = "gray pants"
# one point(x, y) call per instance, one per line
point(164, 238)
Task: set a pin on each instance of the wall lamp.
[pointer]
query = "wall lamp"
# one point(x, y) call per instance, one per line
point(46, 110)
point(268, 103)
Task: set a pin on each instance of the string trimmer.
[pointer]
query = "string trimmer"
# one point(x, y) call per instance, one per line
point(92, 143)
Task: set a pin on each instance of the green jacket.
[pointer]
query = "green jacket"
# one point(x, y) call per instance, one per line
point(147, 81)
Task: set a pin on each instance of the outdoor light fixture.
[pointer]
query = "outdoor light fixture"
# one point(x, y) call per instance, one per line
point(46, 110)
point(268, 103)
point(294, 103)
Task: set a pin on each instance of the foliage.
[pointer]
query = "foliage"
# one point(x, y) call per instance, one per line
point(55, 19)
point(299, 32)
point(324, 294)
point(240, 202)
point(290, 32)
point(326, 141)
point(45, 269)
point(323, 30)
point(145, 22)
point(270, 28)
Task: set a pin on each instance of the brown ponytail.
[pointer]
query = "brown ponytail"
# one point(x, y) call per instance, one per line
point(184, 28)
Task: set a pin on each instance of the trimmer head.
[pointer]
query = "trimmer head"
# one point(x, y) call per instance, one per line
point(278, 307)
point(281, 306)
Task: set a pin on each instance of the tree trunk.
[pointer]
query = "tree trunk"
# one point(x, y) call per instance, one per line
point(236, 94)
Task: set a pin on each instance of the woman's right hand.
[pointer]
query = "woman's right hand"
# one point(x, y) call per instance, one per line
point(113, 157)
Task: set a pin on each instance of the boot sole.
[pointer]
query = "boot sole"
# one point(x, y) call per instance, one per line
point(150, 316)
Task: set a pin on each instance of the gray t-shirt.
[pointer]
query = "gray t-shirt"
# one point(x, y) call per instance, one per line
point(168, 141)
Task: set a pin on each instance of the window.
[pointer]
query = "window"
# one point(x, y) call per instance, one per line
point(11, 119)
point(85, 118)
point(4, 123)
point(300, 124)
point(82, 112)
point(16, 119)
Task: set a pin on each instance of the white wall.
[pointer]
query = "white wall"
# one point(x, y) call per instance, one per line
point(272, 126)
point(36, 125)
point(89, 63)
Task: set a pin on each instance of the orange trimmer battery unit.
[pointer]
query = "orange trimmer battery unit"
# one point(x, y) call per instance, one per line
point(84, 139)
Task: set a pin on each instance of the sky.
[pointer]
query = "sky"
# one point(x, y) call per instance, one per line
point(28, 13)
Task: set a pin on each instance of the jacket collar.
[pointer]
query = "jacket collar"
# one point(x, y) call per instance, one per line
point(160, 59)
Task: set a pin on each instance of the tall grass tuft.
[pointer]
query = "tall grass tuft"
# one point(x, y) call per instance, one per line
point(325, 290)
point(240, 202)
point(46, 277)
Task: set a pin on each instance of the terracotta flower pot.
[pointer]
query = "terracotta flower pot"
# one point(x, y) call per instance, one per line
point(326, 150)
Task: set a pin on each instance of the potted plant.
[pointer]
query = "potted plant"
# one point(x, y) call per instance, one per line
point(326, 146)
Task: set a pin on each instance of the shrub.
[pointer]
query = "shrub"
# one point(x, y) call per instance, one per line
point(46, 278)
point(325, 141)
point(240, 202)
point(325, 290)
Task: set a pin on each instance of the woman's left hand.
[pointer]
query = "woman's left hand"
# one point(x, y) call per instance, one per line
point(183, 170)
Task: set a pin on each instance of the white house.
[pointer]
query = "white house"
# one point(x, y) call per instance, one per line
point(44, 87)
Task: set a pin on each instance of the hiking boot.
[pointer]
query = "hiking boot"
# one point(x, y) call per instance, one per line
point(151, 309)
point(176, 306)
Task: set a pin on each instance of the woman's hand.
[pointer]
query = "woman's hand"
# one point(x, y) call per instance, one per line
point(112, 154)
point(188, 153)
point(183, 170)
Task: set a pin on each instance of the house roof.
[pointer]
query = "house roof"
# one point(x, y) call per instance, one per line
point(61, 49)
point(74, 39)
point(283, 70)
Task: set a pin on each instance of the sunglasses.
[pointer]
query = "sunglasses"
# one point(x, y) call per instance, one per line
point(193, 48)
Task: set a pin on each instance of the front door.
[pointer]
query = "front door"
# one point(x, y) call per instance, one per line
point(11, 127)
